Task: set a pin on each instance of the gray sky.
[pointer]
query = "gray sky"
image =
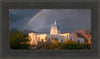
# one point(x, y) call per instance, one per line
point(38, 20)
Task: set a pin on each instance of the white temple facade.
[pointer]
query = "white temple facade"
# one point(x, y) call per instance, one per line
point(55, 34)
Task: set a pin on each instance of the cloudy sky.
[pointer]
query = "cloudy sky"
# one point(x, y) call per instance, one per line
point(41, 20)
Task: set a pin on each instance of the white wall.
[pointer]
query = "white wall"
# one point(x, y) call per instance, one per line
point(33, 37)
point(78, 39)
point(60, 37)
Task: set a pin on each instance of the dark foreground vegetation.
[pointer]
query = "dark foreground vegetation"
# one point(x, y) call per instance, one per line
point(70, 45)
point(18, 40)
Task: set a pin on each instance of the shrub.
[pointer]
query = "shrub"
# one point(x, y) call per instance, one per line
point(71, 46)
point(55, 43)
point(70, 41)
point(86, 45)
point(66, 45)
point(24, 46)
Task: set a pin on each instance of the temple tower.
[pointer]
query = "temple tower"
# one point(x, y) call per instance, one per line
point(55, 29)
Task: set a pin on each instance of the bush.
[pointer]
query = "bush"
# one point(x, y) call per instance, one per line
point(70, 41)
point(56, 44)
point(71, 46)
point(24, 46)
point(86, 45)
point(14, 44)
point(48, 45)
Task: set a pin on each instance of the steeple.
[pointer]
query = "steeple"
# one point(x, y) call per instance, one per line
point(55, 22)
point(55, 29)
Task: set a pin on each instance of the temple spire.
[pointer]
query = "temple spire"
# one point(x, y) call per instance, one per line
point(55, 21)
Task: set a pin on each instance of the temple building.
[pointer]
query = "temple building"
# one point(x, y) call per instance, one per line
point(55, 34)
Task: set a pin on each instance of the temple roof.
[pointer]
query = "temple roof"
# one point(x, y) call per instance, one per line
point(55, 26)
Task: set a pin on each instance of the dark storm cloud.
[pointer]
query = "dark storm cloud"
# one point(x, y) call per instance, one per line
point(19, 17)
point(68, 20)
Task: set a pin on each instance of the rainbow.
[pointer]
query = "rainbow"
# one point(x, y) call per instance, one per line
point(36, 15)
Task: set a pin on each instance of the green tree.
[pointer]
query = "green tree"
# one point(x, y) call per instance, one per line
point(16, 38)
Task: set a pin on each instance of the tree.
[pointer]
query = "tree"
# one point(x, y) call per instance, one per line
point(16, 38)
point(28, 38)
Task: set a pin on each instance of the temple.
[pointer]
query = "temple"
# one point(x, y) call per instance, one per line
point(55, 34)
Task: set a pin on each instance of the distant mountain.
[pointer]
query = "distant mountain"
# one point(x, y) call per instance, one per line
point(12, 30)
point(27, 31)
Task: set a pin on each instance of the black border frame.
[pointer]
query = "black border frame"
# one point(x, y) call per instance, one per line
point(58, 5)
